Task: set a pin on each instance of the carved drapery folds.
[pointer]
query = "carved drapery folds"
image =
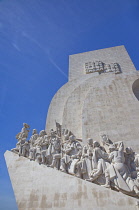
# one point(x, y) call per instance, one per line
point(107, 163)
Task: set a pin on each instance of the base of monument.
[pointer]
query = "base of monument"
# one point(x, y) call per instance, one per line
point(38, 187)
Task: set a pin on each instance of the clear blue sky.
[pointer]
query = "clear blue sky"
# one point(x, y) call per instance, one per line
point(36, 38)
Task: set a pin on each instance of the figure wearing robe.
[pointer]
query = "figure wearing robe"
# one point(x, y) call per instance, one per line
point(117, 174)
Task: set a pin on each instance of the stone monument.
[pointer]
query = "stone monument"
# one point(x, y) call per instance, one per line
point(87, 158)
point(102, 96)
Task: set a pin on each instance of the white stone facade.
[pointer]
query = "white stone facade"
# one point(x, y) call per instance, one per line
point(38, 187)
point(92, 104)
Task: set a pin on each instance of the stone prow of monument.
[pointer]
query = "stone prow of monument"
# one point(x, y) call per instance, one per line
point(37, 187)
point(101, 96)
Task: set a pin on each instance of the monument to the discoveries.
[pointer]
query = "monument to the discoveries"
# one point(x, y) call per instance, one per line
point(95, 143)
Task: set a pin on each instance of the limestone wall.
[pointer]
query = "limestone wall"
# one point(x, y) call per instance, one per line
point(38, 187)
point(56, 107)
point(109, 55)
point(91, 104)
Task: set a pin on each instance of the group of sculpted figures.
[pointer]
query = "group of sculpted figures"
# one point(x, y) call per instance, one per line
point(109, 165)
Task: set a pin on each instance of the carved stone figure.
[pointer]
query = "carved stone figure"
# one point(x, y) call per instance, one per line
point(84, 166)
point(105, 140)
point(130, 161)
point(54, 151)
point(66, 134)
point(52, 133)
point(116, 168)
point(23, 145)
point(99, 161)
point(38, 153)
point(41, 144)
point(25, 129)
point(34, 136)
point(21, 137)
point(32, 150)
point(117, 173)
point(70, 150)
point(44, 143)
point(16, 149)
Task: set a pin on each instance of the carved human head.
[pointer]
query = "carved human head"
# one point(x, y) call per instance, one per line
point(129, 150)
point(26, 125)
point(34, 131)
point(53, 133)
point(90, 141)
point(96, 144)
point(42, 133)
point(105, 139)
point(72, 138)
point(112, 148)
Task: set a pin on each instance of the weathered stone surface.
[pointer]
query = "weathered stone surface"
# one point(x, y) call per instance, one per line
point(91, 104)
point(101, 97)
point(109, 55)
point(37, 187)
point(60, 98)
